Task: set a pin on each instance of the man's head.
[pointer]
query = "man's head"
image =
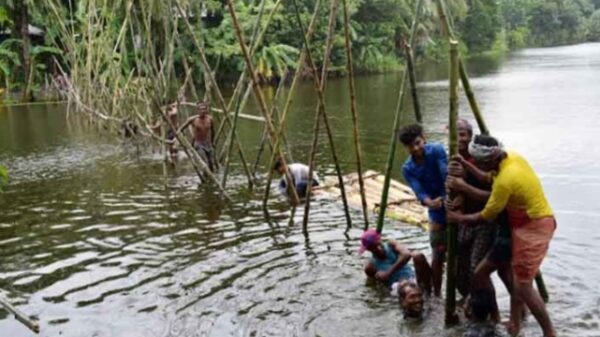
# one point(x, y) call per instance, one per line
point(487, 151)
point(202, 108)
point(371, 240)
point(481, 304)
point(411, 299)
point(465, 134)
point(413, 140)
point(172, 112)
point(279, 167)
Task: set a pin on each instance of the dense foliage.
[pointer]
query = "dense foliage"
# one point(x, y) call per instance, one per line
point(377, 26)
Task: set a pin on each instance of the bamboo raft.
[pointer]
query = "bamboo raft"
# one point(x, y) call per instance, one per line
point(409, 210)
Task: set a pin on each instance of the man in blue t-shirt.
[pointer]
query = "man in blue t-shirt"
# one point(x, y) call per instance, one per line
point(425, 171)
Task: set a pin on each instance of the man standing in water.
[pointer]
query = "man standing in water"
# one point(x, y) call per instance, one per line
point(474, 241)
point(203, 131)
point(170, 138)
point(518, 189)
point(299, 174)
point(425, 171)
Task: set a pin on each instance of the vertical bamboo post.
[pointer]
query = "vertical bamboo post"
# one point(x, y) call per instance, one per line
point(288, 102)
point(451, 228)
point(396, 128)
point(315, 141)
point(261, 100)
point(215, 87)
point(323, 112)
point(440, 5)
point(413, 81)
point(353, 109)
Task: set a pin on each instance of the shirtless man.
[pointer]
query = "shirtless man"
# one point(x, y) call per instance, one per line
point(203, 130)
point(170, 132)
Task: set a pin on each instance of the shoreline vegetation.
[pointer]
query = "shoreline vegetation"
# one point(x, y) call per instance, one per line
point(43, 46)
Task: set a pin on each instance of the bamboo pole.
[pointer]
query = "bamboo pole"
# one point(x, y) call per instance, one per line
point(353, 110)
point(323, 112)
point(215, 87)
point(315, 141)
point(397, 119)
point(451, 228)
point(413, 81)
point(32, 324)
point(541, 285)
point(261, 101)
point(440, 5)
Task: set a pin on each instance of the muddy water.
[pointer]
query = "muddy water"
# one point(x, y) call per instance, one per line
point(96, 240)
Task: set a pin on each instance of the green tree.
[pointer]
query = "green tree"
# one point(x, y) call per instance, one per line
point(480, 27)
point(594, 27)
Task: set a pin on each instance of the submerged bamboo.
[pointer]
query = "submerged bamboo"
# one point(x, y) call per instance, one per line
point(261, 101)
point(451, 228)
point(32, 324)
point(397, 119)
point(323, 113)
point(353, 110)
point(413, 81)
point(315, 141)
point(541, 285)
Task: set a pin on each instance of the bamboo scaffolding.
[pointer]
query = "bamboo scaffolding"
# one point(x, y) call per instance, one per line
point(451, 228)
point(413, 81)
point(288, 103)
point(215, 87)
point(20, 316)
point(353, 110)
point(315, 141)
point(397, 119)
point(323, 113)
point(261, 101)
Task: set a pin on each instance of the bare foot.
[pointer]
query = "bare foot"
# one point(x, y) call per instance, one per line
point(512, 328)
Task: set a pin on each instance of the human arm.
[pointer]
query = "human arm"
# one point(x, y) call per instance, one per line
point(419, 190)
point(460, 185)
point(186, 124)
point(479, 175)
point(212, 132)
point(495, 204)
point(404, 256)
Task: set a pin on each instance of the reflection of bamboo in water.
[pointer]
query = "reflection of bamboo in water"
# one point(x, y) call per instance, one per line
point(357, 151)
point(323, 113)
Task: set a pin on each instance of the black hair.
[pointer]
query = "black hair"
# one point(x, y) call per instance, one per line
point(278, 164)
point(409, 133)
point(482, 303)
point(485, 140)
point(402, 289)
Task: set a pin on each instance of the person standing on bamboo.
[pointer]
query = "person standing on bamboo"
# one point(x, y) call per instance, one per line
point(518, 189)
point(203, 131)
point(474, 241)
point(425, 171)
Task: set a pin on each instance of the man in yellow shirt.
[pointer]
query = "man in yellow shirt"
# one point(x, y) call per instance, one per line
point(517, 188)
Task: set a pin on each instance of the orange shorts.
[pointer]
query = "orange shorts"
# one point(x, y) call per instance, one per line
point(530, 243)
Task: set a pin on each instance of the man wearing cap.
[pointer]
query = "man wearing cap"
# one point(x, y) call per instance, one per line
point(517, 188)
point(388, 264)
point(425, 171)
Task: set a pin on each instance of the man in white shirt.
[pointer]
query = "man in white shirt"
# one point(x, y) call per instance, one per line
point(299, 173)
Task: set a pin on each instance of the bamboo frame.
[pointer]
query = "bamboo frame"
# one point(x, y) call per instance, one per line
point(413, 81)
point(353, 110)
point(323, 112)
point(397, 119)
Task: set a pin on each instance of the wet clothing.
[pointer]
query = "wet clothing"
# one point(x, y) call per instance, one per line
point(428, 180)
point(530, 243)
point(206, 151)
point(501, 251)
point(391, 256)
point(299, 173)
point(516, 187)
point(480, 329)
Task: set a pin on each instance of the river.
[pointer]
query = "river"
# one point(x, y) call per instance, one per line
point(96, 241)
